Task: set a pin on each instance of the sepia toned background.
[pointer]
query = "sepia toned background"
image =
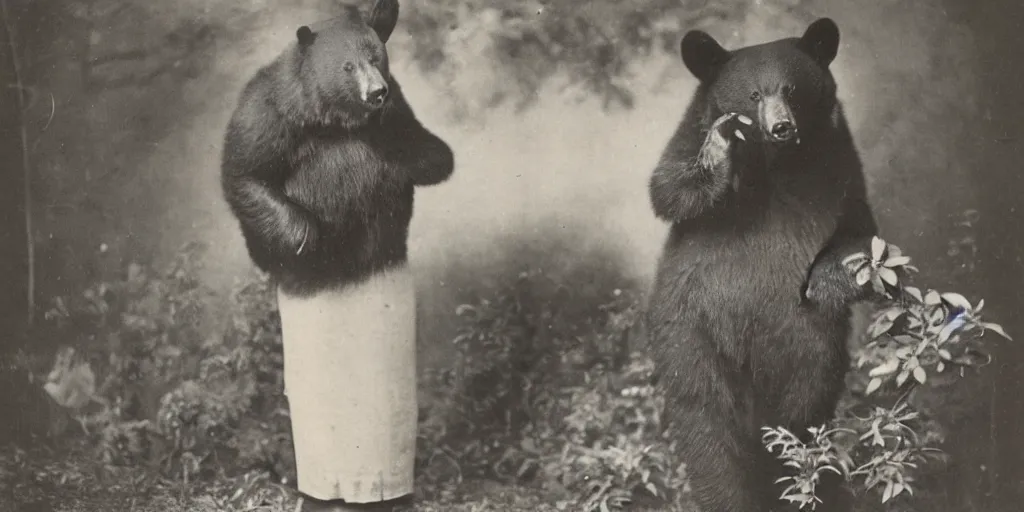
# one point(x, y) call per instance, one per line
point(556, 112)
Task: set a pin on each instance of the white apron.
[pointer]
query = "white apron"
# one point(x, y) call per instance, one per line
point(350, 379)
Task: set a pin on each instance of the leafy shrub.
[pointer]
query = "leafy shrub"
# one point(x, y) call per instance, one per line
point(914, 335)
point(174, 396)
point(543, 392)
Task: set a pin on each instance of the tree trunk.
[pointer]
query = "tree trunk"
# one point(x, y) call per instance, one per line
point(14, 254)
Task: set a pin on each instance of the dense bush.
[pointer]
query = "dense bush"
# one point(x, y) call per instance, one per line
point(916, 338)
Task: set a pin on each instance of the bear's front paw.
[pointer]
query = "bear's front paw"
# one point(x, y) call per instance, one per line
point(832, 284)
point(304, 235)
point(725, 134)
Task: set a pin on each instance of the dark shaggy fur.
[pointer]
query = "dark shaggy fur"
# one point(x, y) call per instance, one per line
point(749, 313)
point(321, 178)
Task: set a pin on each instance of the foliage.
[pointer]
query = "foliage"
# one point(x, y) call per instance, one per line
point(914, 333)
point(528, 44)
point(172, 396)
point(541, 393)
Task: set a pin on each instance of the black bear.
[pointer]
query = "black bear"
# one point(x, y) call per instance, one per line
point(322, 154)
point(750, 310)
point(321, 159)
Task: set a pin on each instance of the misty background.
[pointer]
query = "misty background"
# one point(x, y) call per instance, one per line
point(125, 152)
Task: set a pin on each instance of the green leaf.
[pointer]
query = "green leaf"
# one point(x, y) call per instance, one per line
point(921, 347)
point(955, 299)
point(914, 292)
point(873, 385)
point(944, 354)
point(998, 329)
point(947, 331)
point(896, 261)
point(888, 276)
point(863, 276)
point(881, 327)
point(893, 313)
point(920, 375)
point(463, 309)
point(902, 378)
point(940, 367)
point(932, 298)
point(887, 494)
point(523, 468)
point(877, 286)
point(877, 248)
point(653, 489)
point(799, 497)
point(885, 368)
point(909, 416)
point(897, 489)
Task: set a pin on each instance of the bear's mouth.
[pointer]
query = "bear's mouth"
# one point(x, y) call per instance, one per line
point(783, 133)
point(778, 124)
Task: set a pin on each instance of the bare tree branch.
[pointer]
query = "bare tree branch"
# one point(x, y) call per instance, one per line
point(25, 162)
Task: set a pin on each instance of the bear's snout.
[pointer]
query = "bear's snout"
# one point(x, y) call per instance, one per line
point(783, 130)
point(373, 86)
point(377, 96)
point(777, 120)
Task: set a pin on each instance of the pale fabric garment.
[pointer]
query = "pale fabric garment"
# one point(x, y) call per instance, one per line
point(350, 378)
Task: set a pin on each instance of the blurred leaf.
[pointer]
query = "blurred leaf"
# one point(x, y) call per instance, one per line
point(957, 300)
point(877, 248)
point(863, 276)
point(998, 329)
point(896, 261)
point(888, 276)
point(873, 385)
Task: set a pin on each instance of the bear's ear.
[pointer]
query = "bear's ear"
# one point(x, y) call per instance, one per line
point(305, 36)
point(702, 55)
point(383, 18)
point(821, 41)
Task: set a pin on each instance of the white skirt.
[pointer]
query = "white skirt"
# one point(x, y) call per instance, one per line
point(350, 378)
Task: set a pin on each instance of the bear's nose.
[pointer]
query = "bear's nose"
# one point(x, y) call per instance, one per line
point(783, 130)
point(377, 96)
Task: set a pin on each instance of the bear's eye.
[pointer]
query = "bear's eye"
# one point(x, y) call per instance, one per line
point(349, 67)
point(374, 60)
point(755, 96)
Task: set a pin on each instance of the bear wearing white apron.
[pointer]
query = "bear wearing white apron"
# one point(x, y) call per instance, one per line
point(321, 159)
